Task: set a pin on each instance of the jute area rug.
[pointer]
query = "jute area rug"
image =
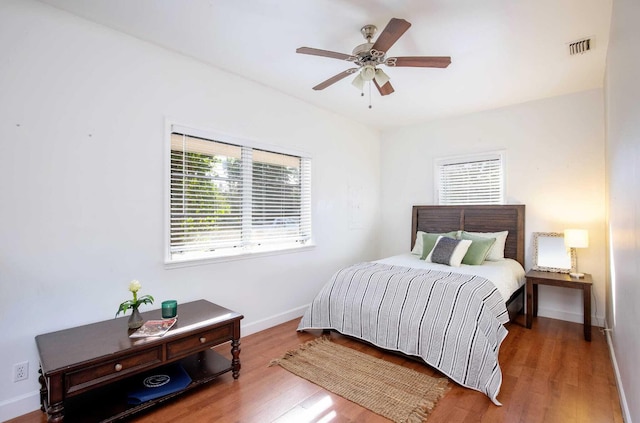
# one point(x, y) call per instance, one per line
point(395, 392)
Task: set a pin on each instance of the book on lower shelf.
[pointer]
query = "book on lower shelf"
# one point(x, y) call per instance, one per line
point(154, 328)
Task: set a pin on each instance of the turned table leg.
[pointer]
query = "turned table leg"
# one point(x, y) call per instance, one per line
point(55, 413)
point(235, 362)
point(43, 391)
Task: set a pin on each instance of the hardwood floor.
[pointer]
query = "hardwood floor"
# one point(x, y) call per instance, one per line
point(550, 374)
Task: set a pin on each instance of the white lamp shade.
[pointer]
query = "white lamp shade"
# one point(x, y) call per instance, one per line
point(358, 82)
point(381, 77)
point(368, 72)
point(576, 238)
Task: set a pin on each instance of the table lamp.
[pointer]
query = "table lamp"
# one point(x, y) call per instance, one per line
point(576, 238)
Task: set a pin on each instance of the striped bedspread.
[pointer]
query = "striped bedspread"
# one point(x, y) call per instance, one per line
point(454, 322)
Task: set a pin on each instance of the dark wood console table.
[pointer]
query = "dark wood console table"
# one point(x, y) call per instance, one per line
point(85, 370)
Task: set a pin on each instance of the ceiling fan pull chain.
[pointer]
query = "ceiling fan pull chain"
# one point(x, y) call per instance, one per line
point(369, 94)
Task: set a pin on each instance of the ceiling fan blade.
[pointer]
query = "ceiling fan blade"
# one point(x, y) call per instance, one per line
point(335, 79)
point(324, 53)
point(420, 61)
point(386, 89)
point(390, 34)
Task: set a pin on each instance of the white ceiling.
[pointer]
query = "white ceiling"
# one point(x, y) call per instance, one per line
point(503, 52)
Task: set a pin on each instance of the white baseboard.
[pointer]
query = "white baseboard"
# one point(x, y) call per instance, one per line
point(29, 402)
point(626, 415)
point(569, 317)
point(20, 405)
point(273, 320)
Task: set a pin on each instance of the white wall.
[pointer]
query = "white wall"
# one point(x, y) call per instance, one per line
point(82, 114)
point(623, 183)
point(555, 166)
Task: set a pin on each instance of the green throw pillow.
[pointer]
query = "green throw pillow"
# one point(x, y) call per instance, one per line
point(478, 250)
point(429, 241)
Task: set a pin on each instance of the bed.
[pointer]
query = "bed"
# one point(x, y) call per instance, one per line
point(450, 317)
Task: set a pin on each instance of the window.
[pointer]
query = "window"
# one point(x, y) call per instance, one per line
point(470, 179)
point(230, 198)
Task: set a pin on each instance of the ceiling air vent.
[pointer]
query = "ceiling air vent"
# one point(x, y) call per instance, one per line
point(580, 46)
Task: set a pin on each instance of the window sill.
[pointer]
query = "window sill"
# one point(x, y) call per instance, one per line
point(240, 255)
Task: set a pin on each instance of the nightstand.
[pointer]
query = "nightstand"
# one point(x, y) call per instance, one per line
point(535, 278)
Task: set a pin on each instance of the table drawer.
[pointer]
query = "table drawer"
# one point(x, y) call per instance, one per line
point(104, 372)
point(199, 341)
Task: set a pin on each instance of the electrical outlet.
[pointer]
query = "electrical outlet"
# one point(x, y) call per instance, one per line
point(21, 371)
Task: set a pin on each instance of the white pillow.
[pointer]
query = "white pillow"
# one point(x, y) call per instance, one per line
point(496, 252)
point(452, 257)
point(417, 247)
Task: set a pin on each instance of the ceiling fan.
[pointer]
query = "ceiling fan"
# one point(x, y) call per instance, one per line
point(369, 56)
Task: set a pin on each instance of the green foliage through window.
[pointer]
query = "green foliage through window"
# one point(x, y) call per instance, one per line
point(226, 198)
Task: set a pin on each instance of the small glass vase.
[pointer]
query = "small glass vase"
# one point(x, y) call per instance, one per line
point(135, 320)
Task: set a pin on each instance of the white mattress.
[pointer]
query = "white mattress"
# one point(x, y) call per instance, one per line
point(507, 275)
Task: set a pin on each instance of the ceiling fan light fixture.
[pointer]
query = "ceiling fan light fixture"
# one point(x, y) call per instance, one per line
point(368, 72)
point(358, 82)
point(381, 77)
point(367, 57)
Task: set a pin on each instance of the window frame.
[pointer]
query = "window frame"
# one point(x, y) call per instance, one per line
point(466, 158)
point(230, 254)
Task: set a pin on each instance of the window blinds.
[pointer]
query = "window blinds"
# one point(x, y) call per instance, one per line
point(227, 198)
point(471, 182)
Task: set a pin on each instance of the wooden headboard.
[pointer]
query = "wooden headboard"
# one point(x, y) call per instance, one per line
point(438, 219)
